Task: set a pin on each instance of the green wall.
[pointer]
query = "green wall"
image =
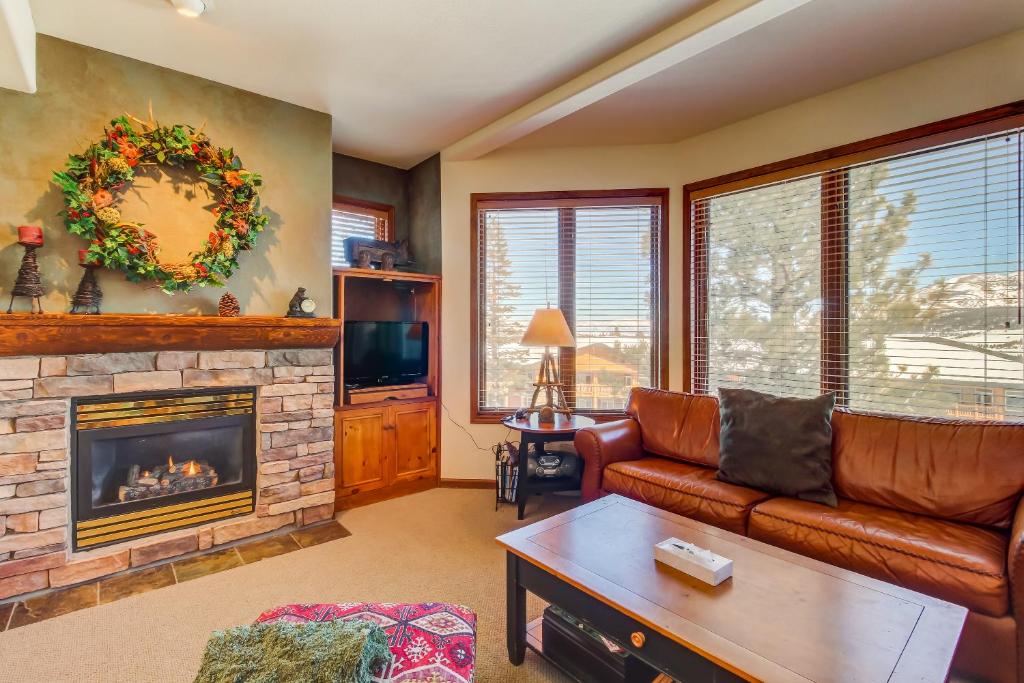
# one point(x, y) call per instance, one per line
point(80, 90)
point(357, 178)
point(425, 214)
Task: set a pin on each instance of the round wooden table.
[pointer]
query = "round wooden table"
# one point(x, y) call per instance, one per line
point(532, 431)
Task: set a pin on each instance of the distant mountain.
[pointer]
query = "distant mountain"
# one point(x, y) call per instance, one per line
point(973, 290)
point(975, 301)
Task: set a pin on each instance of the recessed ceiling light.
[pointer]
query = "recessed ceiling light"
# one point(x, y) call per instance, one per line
point(189, 8)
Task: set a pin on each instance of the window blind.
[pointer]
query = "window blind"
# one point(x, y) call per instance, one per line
point(895, 282)
point(599, 261)
point(354, 221)
point(761, 257)
point(934, 280)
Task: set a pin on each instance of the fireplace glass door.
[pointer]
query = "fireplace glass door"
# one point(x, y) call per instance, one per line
point(145, 463)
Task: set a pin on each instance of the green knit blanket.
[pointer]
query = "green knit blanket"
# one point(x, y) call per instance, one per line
point(327, 652)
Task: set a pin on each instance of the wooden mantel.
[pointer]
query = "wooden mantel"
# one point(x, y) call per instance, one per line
point(23, 334)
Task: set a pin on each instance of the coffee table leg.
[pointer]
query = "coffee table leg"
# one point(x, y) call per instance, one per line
point(523, 491)
point(515, 618)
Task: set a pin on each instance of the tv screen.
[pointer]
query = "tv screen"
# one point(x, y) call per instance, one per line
point(384, 352)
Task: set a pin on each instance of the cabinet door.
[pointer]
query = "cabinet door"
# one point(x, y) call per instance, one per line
point(360, 448)
point(415, 445)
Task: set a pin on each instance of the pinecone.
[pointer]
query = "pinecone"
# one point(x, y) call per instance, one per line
point(229, 307)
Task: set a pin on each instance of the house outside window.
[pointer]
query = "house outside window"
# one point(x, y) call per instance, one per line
point(1014, 404)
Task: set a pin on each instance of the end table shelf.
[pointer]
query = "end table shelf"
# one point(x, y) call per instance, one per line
point(532, 431)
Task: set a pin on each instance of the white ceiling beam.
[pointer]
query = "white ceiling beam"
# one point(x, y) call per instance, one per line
point(685, 39)
point(17, 46)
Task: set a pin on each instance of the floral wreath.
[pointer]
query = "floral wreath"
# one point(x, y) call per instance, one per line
point(95, 179)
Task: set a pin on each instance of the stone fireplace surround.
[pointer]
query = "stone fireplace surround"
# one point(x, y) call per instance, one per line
point(295, 468)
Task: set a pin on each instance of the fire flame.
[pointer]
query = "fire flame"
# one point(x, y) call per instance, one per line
point(189, 469)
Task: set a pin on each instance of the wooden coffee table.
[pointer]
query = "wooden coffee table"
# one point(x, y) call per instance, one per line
point(781, 617)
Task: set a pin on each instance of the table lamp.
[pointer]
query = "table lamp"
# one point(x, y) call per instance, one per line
point(548, 328)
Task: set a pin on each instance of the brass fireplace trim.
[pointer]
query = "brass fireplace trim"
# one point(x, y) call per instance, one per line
point(120, 413)
point(135, 524)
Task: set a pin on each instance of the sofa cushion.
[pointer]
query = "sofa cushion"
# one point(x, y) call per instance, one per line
point(966, 471)
point(675, 425)
point(955, 562)
point(688, 490)
point(777, 444)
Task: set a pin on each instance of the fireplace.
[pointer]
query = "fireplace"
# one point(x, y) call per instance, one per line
point(148, 463)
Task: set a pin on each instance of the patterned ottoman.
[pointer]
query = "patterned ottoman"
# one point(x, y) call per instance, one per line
point(432, 642)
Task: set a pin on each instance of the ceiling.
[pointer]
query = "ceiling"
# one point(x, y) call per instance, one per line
point(401, 78)
point(404, 79)
point(821, 46)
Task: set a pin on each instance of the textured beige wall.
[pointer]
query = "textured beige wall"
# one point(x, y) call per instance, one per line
point(80, 90)
point(956, 83)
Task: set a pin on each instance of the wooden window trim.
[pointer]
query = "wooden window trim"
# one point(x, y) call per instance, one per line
point(560, 198)
point(376, 209)
point(831, 163)
point(835, 223)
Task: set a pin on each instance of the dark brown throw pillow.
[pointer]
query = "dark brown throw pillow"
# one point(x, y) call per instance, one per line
point(781, 445)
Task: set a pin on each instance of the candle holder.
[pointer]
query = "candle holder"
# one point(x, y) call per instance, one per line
point(88, 296)
point(28, 283)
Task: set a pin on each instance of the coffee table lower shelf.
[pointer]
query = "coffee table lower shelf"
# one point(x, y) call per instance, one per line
point(654, 649)
point(535, 642)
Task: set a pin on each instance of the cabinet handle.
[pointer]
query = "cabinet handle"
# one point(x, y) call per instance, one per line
point(638, 639)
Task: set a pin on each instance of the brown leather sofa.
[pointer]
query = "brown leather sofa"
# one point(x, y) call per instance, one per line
point(933, 505)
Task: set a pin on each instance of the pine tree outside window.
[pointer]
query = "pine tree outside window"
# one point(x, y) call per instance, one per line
point(890, 275)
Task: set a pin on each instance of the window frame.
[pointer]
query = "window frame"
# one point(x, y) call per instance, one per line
point(832, 165)
point(659, 345)
point(367, 208)
point(1018, 397)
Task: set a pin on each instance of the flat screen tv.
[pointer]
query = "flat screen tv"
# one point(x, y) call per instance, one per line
point(378, 353)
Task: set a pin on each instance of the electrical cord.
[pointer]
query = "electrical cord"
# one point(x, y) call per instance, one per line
point(495, 449)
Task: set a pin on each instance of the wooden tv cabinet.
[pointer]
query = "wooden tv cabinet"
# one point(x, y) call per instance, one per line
point(387, 444)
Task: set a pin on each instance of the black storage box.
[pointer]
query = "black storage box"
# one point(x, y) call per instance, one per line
point(582, 653)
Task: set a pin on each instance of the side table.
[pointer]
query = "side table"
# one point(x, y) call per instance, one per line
point(531, 431)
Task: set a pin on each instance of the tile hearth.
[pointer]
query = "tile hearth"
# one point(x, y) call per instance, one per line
point(109, 589)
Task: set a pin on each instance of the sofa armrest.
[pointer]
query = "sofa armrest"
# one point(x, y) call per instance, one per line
point(1015, 562)
point(1015, 571)
point(603, 444)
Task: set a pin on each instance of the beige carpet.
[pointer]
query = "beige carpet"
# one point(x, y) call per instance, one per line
point(433, 546)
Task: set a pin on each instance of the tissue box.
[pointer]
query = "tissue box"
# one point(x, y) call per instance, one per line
point(700, 563)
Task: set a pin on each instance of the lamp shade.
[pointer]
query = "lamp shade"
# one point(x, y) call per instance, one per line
point(548, 328)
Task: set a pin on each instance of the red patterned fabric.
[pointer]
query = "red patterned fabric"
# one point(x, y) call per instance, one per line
point(432, 642)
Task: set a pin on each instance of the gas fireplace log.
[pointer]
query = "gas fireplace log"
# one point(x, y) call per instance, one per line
point(165, 481)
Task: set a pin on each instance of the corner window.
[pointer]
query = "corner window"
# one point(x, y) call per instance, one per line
point(892, 277)
point(599, 257)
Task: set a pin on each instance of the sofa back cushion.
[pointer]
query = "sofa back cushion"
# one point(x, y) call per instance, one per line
point(971, 472)
point(676, 425)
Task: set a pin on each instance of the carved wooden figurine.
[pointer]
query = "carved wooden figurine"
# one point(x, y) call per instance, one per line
point(364, 253)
